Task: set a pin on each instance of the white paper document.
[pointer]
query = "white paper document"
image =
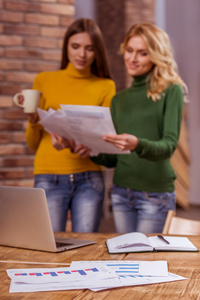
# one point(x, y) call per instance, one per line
point(59, 274)
point(126, 267)
point(85, 124)
point(133, 273)
point(50, 279)
point(93, 275)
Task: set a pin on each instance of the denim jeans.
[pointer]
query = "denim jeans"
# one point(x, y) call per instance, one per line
point(140, 211)
point(83, 193)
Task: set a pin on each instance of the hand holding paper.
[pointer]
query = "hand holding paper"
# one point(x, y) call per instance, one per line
point(61, 143)
point(82, 151)
point(123, 141)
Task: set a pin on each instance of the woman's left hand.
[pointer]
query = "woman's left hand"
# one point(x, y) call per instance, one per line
point(82, 151)
point(122, 141)
point(60, 143)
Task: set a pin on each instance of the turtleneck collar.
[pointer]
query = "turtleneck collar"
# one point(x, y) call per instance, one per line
point(72, 71)
point(140, 80)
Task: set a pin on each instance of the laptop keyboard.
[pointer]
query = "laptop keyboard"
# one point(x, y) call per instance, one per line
point(59, 244)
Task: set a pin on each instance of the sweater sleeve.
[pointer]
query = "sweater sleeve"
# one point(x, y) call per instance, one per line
point(34, 131)
point(107, 160)
point(164, 148)
point(108, 93)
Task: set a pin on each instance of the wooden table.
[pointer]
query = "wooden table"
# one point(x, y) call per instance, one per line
point(186, 264)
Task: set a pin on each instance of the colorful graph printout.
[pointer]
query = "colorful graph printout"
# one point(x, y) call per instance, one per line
point(94, 275)
point(57, 274)
point(142, 268)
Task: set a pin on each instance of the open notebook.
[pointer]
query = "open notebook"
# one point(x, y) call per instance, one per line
point(139, 242)
point(25, 221)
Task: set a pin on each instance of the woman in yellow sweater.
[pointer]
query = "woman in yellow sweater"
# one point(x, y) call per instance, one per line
point(69, 180)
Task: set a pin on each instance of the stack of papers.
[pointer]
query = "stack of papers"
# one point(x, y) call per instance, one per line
point(93, 275)
point(85, 124)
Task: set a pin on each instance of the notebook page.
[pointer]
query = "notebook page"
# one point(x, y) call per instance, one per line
point(175, 242)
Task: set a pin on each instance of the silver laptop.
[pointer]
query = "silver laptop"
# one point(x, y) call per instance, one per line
point(25, 221)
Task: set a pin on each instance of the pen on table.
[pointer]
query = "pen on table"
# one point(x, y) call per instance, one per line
point(162, 238)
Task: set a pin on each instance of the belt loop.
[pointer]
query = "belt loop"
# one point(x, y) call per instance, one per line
point(87, 175)
point(55, 178)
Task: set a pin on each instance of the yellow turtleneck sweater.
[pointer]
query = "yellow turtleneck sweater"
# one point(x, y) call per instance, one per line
point(68, 86)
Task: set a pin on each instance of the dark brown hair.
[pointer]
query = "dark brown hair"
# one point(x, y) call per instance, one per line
point(99, 66)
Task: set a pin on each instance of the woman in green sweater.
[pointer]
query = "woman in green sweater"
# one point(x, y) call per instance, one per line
point(147, 117)
point(69, 181)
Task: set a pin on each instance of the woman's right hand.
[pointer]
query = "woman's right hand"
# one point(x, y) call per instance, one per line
point(33, 118)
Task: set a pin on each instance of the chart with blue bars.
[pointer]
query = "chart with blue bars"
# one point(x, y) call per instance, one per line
point(125, 268)
point(58, 273)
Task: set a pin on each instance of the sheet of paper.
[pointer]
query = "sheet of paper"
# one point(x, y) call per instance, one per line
point(131, 280)
point(125, 267)
point(174, 241)
point(48, 275)
point(100, 284)
point(86, 124)
point(136, 272)
point(94, 275)
point(128, 240)
point(50, 279)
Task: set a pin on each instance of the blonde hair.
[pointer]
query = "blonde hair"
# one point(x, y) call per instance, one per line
point(165, 71)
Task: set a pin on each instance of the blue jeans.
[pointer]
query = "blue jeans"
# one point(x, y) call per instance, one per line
point(140, 211)
point(83, 193)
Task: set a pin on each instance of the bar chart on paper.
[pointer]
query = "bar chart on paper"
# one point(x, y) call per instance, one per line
point(133, 268)
point(50, 275)
point(124, 269)
point(95, 275)
point(32, 280)
point(57, 273)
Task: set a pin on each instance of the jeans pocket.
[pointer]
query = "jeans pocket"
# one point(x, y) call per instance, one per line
point(45, 181)
point(166, 200)
point(96, 181)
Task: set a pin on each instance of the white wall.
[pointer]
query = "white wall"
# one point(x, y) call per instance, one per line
point(182, 22)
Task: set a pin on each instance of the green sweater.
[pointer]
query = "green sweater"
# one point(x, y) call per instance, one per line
point(157, 126)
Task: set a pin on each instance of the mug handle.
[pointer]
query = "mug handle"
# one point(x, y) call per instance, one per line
point(15, 99)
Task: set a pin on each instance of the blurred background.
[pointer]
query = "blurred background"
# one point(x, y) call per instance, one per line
point(31, 34)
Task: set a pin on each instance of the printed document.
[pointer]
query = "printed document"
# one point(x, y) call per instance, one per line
point(93, 275)
point(85, 124)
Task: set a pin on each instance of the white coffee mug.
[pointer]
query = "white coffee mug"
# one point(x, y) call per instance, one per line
point(31, 100)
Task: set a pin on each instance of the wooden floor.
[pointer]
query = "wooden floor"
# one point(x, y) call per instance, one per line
point(193, 212)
